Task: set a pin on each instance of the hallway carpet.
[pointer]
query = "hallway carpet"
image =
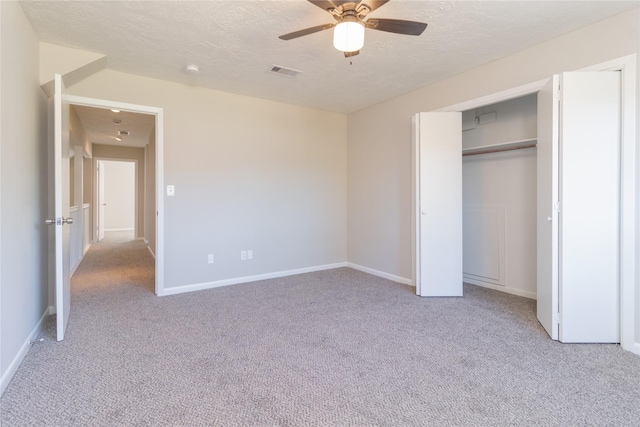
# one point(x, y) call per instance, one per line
point(335, 348)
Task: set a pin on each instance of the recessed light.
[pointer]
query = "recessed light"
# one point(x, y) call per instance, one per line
point(118, 139)
point(115, 110)
point(192, 69)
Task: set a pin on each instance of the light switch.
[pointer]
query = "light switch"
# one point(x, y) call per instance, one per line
point(171, 190)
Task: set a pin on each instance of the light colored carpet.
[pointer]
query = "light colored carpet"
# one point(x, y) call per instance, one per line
point(336, 347)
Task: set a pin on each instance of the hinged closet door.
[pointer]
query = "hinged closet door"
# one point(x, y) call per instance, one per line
point(438, 204)
point(590, 207)
point(547, 217)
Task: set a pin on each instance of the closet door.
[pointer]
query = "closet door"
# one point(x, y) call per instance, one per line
point(438, 204)
point(547, 207)
point(578, 288)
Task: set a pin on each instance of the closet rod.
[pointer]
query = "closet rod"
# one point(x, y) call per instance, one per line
point(498, 150)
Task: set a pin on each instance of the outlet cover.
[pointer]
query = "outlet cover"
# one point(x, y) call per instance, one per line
point(250, 254)
point(243, 255)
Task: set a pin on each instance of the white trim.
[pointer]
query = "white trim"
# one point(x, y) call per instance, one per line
point(159, 113)
point(22, 353)
point(382, 274)
point(120, 229)
point(512, 291)
point(151, 252)
point(237, 280)
point(504, 95)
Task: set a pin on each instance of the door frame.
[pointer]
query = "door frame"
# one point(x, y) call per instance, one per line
point(629, 253)
point(138, 209)
point(159, 129)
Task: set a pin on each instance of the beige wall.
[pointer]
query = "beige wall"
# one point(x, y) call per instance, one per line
point(379, 219)
point(23, 189)
point(248, 173)
point(107, 152)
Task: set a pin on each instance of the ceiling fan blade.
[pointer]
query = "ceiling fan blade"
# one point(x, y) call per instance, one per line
point(306, 31)
point(374, 4)
point(350, 54)
point(398, 26)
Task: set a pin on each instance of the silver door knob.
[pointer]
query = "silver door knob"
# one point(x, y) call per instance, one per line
point(67, 220)
point(549, 219)
point(50, 221)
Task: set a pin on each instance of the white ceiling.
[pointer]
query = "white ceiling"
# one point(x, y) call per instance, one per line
point(101, 128)
point(235, 42)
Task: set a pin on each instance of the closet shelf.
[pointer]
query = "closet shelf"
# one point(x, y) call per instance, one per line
point(496, 148)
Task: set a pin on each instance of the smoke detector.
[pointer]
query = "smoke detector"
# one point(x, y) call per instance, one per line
point(192, 69)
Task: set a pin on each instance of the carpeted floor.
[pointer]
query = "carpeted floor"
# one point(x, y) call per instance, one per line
point(335, 347)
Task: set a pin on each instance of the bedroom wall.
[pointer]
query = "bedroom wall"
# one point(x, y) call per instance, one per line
point(23, 190)
point(379, 149)
point(249, 174)
point(380, 136)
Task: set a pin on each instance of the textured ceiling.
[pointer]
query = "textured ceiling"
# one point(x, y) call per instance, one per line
point(235, 42)
point(101, 129)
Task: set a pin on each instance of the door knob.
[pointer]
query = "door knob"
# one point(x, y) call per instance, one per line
point(50, 221)
point(549, 219)
point(67, 220)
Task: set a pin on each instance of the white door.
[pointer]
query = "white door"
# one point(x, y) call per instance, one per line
point(60, 158)
point(547, 207)
point(588, 193)
point(438, 203)
point(101, 200)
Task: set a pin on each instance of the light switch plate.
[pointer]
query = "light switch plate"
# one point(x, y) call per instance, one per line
point(171, 190)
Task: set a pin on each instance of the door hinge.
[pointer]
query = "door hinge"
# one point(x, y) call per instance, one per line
point(556, 207)
point(557, 318)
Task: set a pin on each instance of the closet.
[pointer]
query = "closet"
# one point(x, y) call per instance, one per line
point(499, 196)
point(531, 206)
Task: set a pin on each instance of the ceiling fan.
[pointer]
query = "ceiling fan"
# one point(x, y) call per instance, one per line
point(348, 33)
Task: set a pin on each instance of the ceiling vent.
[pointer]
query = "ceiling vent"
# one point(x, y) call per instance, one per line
point(283, 71)
point(124, 133)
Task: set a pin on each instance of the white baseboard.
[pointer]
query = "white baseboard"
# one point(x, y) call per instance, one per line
point(151, 252)
point(237, 280)
point(86, 249)
point(382, 274)
point(75, 267)
point(118, 229)
point(512, 291)
point(17, 360)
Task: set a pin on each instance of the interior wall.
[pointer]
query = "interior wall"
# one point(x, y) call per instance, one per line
point(23, 189)
point(249, 174)
point(119, 195)
point(379, 153)
point(105, 152)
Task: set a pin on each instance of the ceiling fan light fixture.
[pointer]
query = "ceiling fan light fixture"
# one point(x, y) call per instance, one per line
point(348, 35)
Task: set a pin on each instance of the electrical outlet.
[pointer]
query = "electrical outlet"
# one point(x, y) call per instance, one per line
point(250, 254)
point(210, 259)
point(243, 255)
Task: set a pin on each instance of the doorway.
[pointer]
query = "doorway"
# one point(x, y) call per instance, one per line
point(629, 306)
point(117, 190)
point(149, 171)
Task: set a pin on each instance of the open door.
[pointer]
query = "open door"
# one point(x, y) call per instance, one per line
point(548, 202)
point(59, 134)
point(437, 209)
point(578, 283)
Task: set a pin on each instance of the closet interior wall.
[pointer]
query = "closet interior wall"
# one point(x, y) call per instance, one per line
point(499, 197)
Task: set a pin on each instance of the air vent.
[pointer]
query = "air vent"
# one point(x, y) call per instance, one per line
point(283, 71)
point(124, 133)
